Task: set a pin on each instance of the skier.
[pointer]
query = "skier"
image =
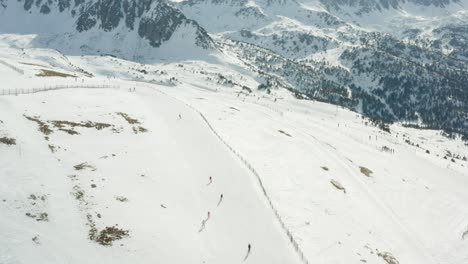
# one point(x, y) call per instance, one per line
point(220, 199)
point(208, 216)
point(249, 247)
point(211, 180)
point(180, 116)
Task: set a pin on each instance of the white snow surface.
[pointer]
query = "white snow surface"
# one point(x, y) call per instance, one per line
point(151, 178)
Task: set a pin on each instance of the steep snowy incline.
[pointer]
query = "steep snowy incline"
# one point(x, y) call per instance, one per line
point(402, 194)
point(100, 176)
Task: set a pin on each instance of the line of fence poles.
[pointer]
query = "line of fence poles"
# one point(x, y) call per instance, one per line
point(288, 233)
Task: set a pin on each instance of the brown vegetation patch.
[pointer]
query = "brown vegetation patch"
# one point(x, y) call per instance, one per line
point(42, 217)
point(8, 141)
point(43, 127)
point(83, 166)
point(65, 126)
point(50, 73)
point(388, 257)
point(121, 199)
point(366, 171)
point(130, 120)
point(107, 235)
point(62, 125)
point(338, 185)
point(139, 129)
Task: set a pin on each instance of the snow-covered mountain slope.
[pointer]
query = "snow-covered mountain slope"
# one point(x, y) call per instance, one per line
point(137, 30)
point(397, 61)
point(123, 170)
point(88, 167)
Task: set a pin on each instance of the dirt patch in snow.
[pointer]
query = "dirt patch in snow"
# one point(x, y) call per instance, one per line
point(50, 73)
point(106, 236)
point(130, 120)
point(8, 141)
point(66, 126)
point(139, 129)
point(133, 121)
point(366, 171)
point(121, 199)
point(83, 166)
point(388, 257)
point(41, 217)
point(43, 127)
point(338, 185)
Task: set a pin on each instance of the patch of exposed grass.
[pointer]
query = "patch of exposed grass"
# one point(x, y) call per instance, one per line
point(389, 258)
point(79, 195)
point(52, 148)
point(50, 73)
point(83, 166)
point(121, 199)
point(37, 197)
point(108, 235)
point(42, 217)
point(338, 185)
point(366, 171)
point(62, 125)
point(139, 129)
point(8, 141)
point(43, 127)
point(130, 120)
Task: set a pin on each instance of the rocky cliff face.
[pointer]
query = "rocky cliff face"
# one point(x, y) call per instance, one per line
point(153, 20)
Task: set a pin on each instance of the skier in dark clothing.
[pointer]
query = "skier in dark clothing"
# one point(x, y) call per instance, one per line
point(249, 247)
point(211, 180)
point(220, 199)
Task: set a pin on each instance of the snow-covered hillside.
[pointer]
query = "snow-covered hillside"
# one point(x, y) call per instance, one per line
point(390, 60)
point(134, 172)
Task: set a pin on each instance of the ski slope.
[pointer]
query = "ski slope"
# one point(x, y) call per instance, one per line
point(163, 173)
point(411, 205)
point(139, 158)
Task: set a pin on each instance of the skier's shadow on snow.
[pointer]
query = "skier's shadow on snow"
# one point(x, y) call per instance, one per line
point(202, 226)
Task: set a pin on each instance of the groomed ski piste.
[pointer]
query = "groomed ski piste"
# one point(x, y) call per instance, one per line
point(133, 172)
